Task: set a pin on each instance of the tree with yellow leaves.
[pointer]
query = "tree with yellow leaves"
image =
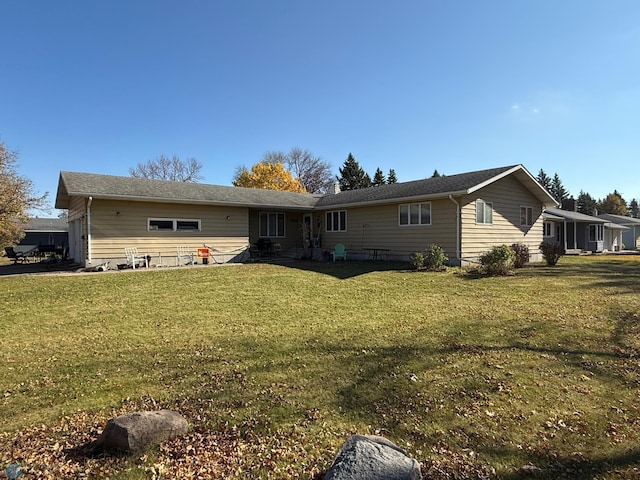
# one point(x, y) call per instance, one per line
point(269, 176)
point(17, 198)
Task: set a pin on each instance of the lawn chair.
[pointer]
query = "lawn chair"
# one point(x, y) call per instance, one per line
point(133, 257)
point(185, 252)
point(16, 256)
point(339, 252)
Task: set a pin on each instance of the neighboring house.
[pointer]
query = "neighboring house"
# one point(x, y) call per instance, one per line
point(52, 233)
point(578, 232)
point(465, 214)
point(631, 236)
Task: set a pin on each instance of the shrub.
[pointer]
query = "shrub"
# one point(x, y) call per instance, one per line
point(416, 261)
point(521, 252)
point(435, 258)
point(551, 252)
point(498, 261)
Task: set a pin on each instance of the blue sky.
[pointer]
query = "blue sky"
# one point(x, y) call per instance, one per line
point(415, 86)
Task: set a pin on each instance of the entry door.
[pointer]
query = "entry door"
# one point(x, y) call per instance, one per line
point(75, 241)
point(308, 221)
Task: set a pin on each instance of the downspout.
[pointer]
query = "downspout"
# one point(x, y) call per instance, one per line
point(457, 229)
point(89, 229)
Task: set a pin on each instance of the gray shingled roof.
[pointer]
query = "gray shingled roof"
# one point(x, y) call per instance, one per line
point(429, 187)
point(572, 216)
point(130, 188)
point(619, 219)
point(47, 225)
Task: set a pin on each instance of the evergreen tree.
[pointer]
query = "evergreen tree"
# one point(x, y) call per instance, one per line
point(352, 176)
point(378, 178)
point(586, 203)
point(634, 210)
point(544, 180)
point(557, 189)
point(436, 174)
point(391, 178)
point(614, 204)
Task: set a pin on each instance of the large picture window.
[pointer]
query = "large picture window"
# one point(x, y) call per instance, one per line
point(415, 214)
point(271, 224)
point(526, 216)
point(484, 212)
point(174, 224)
point(336, 221)
point(596, 233)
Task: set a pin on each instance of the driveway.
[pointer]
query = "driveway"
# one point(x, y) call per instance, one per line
point(37, 268)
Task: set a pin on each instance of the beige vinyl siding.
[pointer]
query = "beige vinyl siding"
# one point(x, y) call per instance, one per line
point(507, 196)
point(117, 225)
point(378, 227)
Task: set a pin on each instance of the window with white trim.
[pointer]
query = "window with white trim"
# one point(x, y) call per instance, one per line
point(484, 212)
point(547, 229)
point(271, 224)
point(414, 214)
point(596, 233)
point(336, 221)
point(526, 216)
point(174, 224)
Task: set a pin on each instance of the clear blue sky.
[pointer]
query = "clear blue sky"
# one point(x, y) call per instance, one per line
point(99, 86)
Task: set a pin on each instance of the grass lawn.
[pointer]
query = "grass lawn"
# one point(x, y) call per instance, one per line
point(535, 375)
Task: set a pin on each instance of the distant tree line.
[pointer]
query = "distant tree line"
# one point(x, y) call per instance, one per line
point(613, 203)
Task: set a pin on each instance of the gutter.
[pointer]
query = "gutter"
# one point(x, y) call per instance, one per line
point(457, 228)
point(89, 229)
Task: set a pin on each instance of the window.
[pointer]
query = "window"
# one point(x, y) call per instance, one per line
point(526, 216)
point(337, 221)
point(173, 224)
point(271, 224)
point(548, 229)
point(484, 212)
point(596, 233)
point(415, 214)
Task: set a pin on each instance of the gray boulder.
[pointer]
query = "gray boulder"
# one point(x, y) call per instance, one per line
point(135, 432)
point(368, 457)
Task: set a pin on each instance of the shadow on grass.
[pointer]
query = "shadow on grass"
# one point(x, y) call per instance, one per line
point(348, 269)
point(575, 467)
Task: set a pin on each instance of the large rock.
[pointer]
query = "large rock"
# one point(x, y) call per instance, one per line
point(138, 431)
point(367, 457)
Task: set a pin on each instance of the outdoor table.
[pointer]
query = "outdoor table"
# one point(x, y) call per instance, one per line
point(374, 251)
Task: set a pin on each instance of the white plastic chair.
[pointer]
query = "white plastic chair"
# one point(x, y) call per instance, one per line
point(185, 252)
point(133, 257)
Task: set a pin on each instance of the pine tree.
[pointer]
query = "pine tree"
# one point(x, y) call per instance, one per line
point(378, 178)
point(436, 174)
point(634, 210)
point(544, 180)
point(352, 176)
point(391, 178)
point(557, 189)
point(586, 203)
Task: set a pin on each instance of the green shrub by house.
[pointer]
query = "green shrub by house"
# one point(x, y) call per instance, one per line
point(521, 254)
point(435, 258)
point(552, 252)
point(498, 261)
